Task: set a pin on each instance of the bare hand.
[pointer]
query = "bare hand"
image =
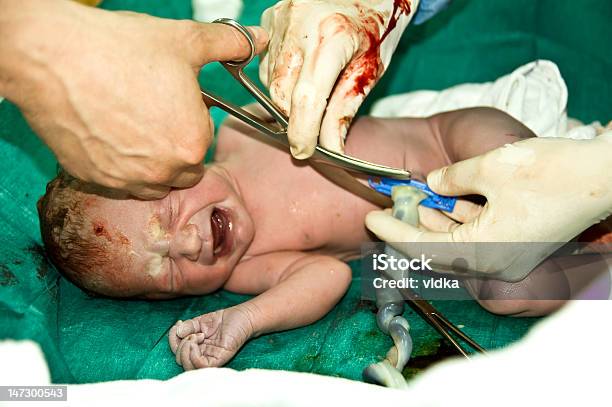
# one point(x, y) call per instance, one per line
point(115, 95)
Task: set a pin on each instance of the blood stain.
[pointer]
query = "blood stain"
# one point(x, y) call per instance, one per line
point(371, 67)
point(100, 230)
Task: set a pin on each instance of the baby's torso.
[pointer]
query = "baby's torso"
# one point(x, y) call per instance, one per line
point(294, 208)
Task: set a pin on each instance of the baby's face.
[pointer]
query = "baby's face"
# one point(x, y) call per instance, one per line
point(184, 244)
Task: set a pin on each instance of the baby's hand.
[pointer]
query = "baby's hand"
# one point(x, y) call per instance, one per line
point(210, 340)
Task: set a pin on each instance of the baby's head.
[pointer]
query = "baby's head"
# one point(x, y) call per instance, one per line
point(187, 243)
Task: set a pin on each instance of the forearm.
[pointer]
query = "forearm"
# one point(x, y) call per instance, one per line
point(306, 294)
point(15, 62)
point(31, 35)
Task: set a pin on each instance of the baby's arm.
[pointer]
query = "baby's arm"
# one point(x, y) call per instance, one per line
point(295, 289)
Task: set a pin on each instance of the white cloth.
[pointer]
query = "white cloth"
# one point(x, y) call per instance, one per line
point(22, 363)
point(535, 94)
point(555, 364)
point(209, 10)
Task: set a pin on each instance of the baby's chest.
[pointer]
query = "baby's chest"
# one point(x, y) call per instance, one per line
point(296, 208)
point(310, 218)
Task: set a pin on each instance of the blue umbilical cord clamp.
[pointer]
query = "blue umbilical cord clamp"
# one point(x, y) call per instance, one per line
point(433, 200)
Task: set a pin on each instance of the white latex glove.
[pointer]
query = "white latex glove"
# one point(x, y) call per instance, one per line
point(323, 58)
point(538, 190)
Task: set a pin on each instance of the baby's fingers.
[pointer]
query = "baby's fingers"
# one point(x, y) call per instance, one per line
point(186, 328)
point(198, 360)
point(178, 353)
point(207, 356)
point(173, 338)
point(189, 350)
point(185, 353)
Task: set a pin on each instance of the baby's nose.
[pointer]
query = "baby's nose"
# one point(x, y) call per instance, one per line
point(187, 243)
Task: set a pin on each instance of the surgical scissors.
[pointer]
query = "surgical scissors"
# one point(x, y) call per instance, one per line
point(278, 130)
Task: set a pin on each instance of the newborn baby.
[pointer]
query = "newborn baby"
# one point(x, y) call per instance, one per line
point(257, 223)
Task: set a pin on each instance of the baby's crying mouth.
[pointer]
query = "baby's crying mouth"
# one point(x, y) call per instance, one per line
point(220, 226)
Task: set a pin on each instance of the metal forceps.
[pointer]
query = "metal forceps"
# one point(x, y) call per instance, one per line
point(278, 130)
point(439, 322)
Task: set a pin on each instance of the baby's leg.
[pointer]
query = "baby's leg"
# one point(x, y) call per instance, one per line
point(544, 290)
point(471, 132)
